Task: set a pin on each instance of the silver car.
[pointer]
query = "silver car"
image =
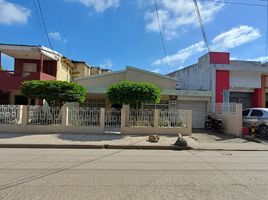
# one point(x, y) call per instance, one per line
point(256, 117)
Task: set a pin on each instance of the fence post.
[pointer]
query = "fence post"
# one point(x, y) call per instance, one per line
point(24, 115)
point(20, 114)
point(189, 121)
point(156, 118)
point(123, 119)
point(65, 116)
point(102, 119)
point(239, 116)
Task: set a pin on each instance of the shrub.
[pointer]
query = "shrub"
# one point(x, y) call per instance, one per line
point(56, 93)
point(133, 93)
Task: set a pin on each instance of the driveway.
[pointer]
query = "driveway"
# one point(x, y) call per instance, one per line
point(204, 136)
point(206, 140)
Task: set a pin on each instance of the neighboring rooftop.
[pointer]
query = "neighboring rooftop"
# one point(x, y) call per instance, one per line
point(28, 51)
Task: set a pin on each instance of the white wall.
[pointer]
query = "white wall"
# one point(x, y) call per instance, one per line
point(240, 79)
point(195, 77)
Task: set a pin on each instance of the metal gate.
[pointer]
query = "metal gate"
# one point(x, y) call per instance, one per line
point(112, 120)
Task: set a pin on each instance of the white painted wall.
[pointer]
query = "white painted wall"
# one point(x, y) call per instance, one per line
point(194, 77)
point(239, 79)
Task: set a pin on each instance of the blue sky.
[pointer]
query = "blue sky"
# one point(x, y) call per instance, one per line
point(116, 33)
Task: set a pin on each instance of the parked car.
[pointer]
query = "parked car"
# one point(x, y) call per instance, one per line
point(256, 117)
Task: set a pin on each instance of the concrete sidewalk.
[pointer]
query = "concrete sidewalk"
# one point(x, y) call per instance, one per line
point(111, 141)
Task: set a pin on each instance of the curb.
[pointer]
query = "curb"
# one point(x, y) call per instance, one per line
point(106, 146)
point(222, 149)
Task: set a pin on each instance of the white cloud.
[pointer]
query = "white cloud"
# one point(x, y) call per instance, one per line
point(176, 15)
point(182, 54)
point(157, 70)
point(99, 5)
point(227, 40)
point(11, 13)
point(234, 37)
point(57, 36)
point(260, 59)
point(106, 64)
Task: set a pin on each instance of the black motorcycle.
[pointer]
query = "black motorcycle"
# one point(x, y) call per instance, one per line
point(213, 124)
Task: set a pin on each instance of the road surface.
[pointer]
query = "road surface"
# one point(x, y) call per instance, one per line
point(132, 174)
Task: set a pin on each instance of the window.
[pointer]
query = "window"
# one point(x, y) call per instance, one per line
point(245, 112)
point(28, 68)
point(256, 113)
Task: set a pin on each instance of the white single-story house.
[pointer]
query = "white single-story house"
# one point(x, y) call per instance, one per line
point(195, 100)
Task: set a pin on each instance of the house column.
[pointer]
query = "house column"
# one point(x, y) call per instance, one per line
point(41, 62)
point(222, 83)
point(263, 90)
point(258, 98)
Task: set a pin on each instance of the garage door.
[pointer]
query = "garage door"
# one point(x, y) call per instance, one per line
point(199, 111)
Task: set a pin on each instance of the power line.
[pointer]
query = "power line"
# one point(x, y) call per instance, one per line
point(39, 23)
point(45, 27)
point(161, 34)
point(62, 27)
point(201, 25)
point(237, 3)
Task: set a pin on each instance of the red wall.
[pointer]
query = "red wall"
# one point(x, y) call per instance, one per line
point(49, 67)
point(219, 58)
point(222, 83)
point(257, 98)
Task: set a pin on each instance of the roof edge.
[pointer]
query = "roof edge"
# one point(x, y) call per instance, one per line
point(151, 73)
point(100, 75)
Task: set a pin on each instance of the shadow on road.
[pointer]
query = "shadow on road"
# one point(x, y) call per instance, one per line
point(4, 135)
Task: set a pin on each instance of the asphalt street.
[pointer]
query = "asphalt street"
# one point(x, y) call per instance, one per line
point(132, 174)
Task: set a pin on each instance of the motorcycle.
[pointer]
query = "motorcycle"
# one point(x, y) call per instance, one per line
point(212, 123)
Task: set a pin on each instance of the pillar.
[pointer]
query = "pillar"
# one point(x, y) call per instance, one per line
point(259, 95)
point(102, 119)
point(65, 116)
point(257, 99)
point(263, 90)
point(123, 120)
point(156, 118)
point(189, 121)
point(0, 59)
point(24, 113)
point(41, 62)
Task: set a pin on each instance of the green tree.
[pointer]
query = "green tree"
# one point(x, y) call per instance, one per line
point(133, 93)
point(56, 93)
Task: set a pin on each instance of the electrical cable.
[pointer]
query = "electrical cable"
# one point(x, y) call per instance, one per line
point(161, 35)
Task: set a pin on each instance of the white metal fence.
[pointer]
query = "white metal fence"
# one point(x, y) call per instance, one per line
point(140, 117)
point(225, 108)
point(172, 118)
point(9, 114)
point(84, 116)
point(112, 119)
point(93, 120)
point(41, 115)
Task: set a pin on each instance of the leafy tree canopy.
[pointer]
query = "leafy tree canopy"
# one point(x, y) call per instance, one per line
point(56, 93)
point(133, 93)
